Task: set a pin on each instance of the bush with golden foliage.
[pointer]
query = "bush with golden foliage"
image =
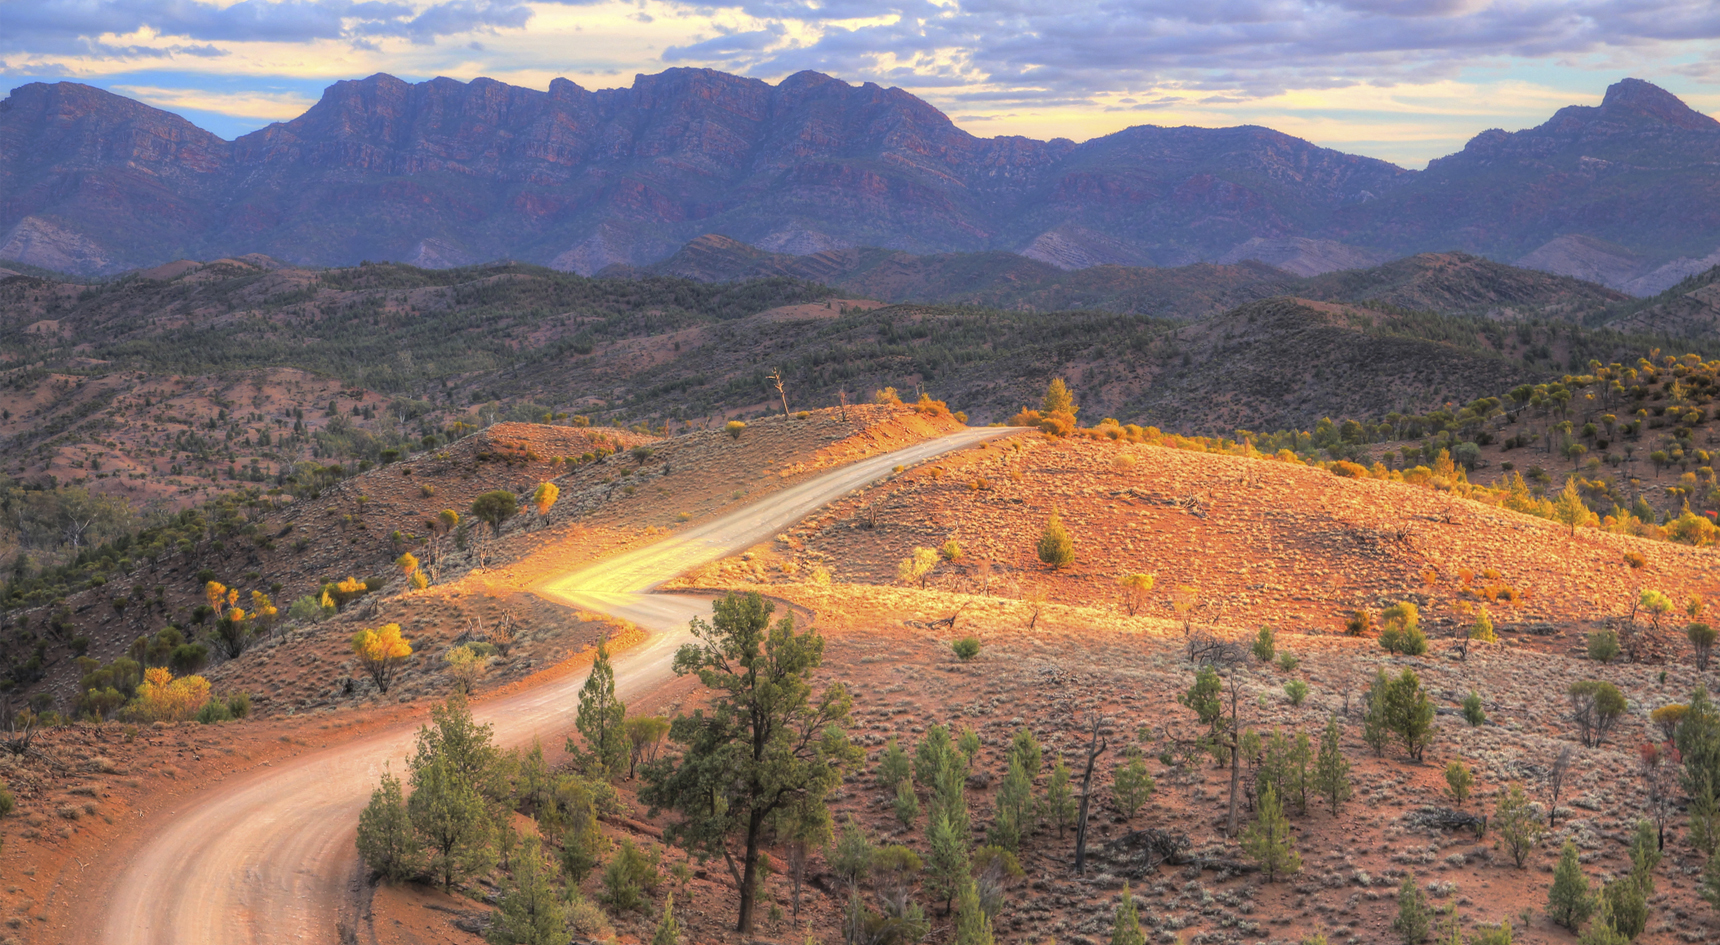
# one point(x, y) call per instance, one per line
point(161, 698)
point(381, 652)
point(544, 497)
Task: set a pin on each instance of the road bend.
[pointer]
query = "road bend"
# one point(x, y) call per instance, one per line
point(270, 857)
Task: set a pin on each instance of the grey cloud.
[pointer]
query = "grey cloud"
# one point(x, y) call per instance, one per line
point(726, 47)
point(72, 26)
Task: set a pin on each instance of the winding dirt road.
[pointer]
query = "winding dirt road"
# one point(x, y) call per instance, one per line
point(270, 858)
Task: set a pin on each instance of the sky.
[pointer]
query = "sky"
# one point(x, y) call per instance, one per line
point(1403, 80)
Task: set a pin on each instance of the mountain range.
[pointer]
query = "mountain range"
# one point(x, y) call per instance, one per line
point(445, 173)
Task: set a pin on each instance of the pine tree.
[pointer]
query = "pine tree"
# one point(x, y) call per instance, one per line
point(907, 804)
point(1131, 784)
point(600, 720)
point(1413, 923)
point(668, 930)
point(1568, 901)
point(893, 766)
point(1518, 826)
point(1126, 929)
point(1628, 905)
point(1014, 807)
point(583, 843)
point(1644, 856)
point(1710, 888)
point(1331, 768)
point(973, 926)
point(947, 866)
point(1601, 930)
point(1060, 797)
point(385, 838)
point(1267, 841)
point(450, 814)
point(530, 911)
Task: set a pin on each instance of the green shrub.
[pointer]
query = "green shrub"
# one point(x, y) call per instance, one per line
point(966, 648)
point(1265, 646)
point(239, 704)
point(1055, 547)
point(214, 711)
point(1473, 713)
point(1297, 690)
point(1603, 646)
point(8, 803)
point(1288, 661)
point(1400, 630)
point(631, 873)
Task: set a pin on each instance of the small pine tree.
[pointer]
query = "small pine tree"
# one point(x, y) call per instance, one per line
point(973, 926)
point(1473, 712)
point(1126, 928)
point(1458, 780)
point(668, 930)
point(947, 866)
point(454, 820)
point(1376, 729)
point(893, 766)
point(1014, 807)
point(1644, 855)
point(1056, 548)
point(583, 843)
point(1568, 901)
point(1482, 630)
point(1628, 905)
point(1265, 645)
point(385, 838)
point(530, 911)
point(1331, 768)
point(1131, 784)
point(1710, 888)
point(1059, 803)
point(1267, 841)
point(600, 721)
point(907, 803)
point(1413, 922)
point(1517, 825)
point(1601, 930)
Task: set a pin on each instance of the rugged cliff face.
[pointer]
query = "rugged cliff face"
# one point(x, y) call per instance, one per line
point(443, 173)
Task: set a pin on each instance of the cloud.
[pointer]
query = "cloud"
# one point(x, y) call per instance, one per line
point(79, 27)
point(274, 106)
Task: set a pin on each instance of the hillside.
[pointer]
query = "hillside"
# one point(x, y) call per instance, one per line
point(1446, 283)
point(1690, 309)
point(444, 173)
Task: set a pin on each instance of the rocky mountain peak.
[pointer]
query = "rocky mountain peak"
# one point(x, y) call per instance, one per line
point(1634, 98)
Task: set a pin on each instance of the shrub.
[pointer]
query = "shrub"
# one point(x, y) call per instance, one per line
point(966, 648)
point(1056, 548)
point(1131, 784)
point(1473, 713)
point(1400, 707)
point(1568, 901)
point(1288, 661)
point(1517, 824)
point(951, 551)
point(1413, 922)
point(1635, 559)
point(1136, 587)
point(1297, 690)
point(1359, 624)
point(1701, 638)
point(239, 705)
point(1482, 630)
point(1400, 630)
point(214, 711)
point(380, 652)
point(8, 803)
point(917, 566)
point(162, 698)
point(735, 427)
point(1265, 647)
point(386, 840)
point(188, 658)
point(631, 873)
point(1458, 780)
point(1595, 706)
point(1603, 646)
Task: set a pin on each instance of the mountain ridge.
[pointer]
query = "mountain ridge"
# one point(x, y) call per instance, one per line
point(449, 173)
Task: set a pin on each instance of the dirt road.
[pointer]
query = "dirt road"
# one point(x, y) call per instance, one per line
point(270, 858)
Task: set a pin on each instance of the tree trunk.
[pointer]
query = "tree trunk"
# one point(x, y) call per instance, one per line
point(1095, 748)
point(749, 874)
point(1235, 759)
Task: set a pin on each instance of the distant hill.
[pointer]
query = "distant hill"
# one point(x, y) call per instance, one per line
point(517, 340)
point(443, 174)
point(1689, 309)
point(1449, 283)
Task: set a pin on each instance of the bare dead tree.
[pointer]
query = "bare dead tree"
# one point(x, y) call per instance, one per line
point(1095, 747)
point(1658, 767)
point(842, 396)
point(17, 729)
point(1556, 781)
point(775, 377)
point(503, 631)
point(1235, 746)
